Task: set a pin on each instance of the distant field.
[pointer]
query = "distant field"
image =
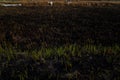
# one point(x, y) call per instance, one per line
point(82, 3)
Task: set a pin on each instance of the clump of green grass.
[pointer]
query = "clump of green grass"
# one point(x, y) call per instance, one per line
point(88, 61)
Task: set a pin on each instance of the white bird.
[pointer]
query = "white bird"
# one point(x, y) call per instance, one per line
point(50, 3)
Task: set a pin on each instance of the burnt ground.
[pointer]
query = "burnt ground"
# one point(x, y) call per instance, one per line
point(54, 26)
point(30, 28)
